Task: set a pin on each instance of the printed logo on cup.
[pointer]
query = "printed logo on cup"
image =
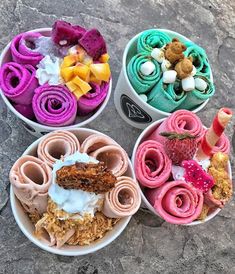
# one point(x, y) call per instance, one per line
point(133, 111)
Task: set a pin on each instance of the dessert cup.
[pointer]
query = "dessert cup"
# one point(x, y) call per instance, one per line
point(27, 226)
point(129, 104)
point(143, 136)
point(35, 128)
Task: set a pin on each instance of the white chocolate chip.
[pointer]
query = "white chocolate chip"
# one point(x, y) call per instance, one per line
point(158, 55)
point(169, 76)
point(63, 42)
point(188, 83)
point(165, 65)
point(194, 71)
point(143, 97)
point(147, 68)
point(200, 84)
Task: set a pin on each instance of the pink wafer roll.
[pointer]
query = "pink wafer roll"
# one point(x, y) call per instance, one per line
point(114, 157)
point(18, 82)
point(152, 165)
point(214, 133)
point(48, 236)
point(31, 179)
point(222, 145)
point(22, 48)
point(177, 202)
point(94, 142)
point(56, 144)
point(181, 121)
point(123, 200)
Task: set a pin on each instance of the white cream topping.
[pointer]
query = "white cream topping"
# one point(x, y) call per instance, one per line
point(49, 71)
point(74, 200)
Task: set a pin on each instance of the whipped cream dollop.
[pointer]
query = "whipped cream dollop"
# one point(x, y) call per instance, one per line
point(74, 201)
point(49, 71)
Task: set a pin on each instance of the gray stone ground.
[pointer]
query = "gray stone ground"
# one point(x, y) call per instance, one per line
point(148, 245)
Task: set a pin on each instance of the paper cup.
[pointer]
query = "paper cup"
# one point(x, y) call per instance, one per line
point(35, 128)
point(146, 204)
point(27, 227)
point(128, 103)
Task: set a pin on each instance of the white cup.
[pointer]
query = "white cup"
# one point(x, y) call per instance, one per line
point(27, 227)
point(142, 137)
point(35, 128)
point(128, 103)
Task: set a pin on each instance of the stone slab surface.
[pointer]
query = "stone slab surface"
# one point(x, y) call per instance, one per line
point(148, 245)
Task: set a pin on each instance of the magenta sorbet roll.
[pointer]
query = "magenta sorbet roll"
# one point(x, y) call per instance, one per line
point(54, 105)
point(18, 82)
point(23, 48)
point(91, 100)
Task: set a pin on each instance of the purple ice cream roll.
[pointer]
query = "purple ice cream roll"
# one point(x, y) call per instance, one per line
point(23, 48)
point(93, 42)
point(65, 34)
point(54, 106)
point(18, 82)
point(25, 110)
point(91, 100)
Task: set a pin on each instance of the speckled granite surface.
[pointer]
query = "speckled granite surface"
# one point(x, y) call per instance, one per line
point(148, 245)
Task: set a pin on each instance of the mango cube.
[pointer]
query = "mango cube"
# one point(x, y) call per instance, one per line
point(78, 93)
point(81, 53)
point(101, 71)
point(82, 71)
point(104, 58)
point(69, 60)
point(94, 79)
point(71, 86)
point(84, 86)
point(67, 73)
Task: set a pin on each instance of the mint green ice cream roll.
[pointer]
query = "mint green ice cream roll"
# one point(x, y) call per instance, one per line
point(152, 38)
point(200, 60)
point(166, 97)
point(196, 97)
point(142, 83)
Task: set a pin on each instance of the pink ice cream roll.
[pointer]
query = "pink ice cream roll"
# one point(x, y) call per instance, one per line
point(123, 200)
point(91, 100)
point(114, 157)
point(152, 165)
point(94, 142)
point(18, 82)
point(177, 202)
point(56, 144)
point(23, 48)
point(54, 106)
point(25, 110)
point(31, 178)
point(181, 121)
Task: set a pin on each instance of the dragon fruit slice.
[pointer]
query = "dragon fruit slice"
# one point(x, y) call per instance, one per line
point(195, 174)
point(65, 34)
point(93, 42)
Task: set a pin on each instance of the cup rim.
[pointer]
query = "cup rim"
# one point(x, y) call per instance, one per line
point(134, 93)
point(45, 127)
point(73, 252)
point(140, 138)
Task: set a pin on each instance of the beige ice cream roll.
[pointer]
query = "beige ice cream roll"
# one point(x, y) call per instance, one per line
point(123, 200)
point(94, 142)
point(213, 134)
point(114, 157)
point(48, 235)
point(57, 144)
point(31, 178)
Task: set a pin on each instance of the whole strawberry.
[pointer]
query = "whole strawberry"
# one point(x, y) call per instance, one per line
point(179, 146)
